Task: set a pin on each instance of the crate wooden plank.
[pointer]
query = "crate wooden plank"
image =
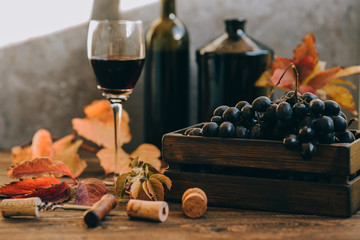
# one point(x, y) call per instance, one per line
point(340, 200)
point(334, 159)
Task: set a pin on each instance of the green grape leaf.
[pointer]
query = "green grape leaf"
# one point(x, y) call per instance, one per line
point(135, 188)
point(146, 190)
point(156, 189)
point(120, 185)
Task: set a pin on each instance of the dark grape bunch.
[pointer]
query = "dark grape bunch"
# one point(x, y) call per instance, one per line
point(301, 122)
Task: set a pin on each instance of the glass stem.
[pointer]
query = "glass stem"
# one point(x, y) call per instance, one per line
point(116, 105)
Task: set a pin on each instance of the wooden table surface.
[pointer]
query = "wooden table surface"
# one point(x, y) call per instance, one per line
point(218, 223)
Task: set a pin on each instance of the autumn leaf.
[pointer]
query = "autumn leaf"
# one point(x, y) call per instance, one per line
point(57, 193)
point(143, 182)
point(98, 126)
point(336, 92)
point(89, 191)
point(39, 167)
point(312, 74)
point(148, 153)
point(66, 151)
point(42, 144)
point(27, 185)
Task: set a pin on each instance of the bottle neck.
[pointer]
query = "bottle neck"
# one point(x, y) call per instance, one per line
point(168, 8)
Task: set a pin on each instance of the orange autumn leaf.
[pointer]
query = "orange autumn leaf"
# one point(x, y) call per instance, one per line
point(313, 76)
point(39, 167)
point(19, 154)
point(147, 153)
point(342, 96)
point(66, 151)
point(307, 49)
point(42, 144)
point(27, 185)
point(98, 126)
point(99, 109)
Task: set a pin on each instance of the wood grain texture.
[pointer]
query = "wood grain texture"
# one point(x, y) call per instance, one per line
point(334, 159)
point(269, 194)
point(218, 223)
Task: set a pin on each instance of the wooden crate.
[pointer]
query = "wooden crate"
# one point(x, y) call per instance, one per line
point(262, 174)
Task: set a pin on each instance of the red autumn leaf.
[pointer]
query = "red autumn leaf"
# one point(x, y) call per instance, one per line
point(305, 67)
point(98, 126)
point(89, 191)
point(27, 185)
point(57, 193)
point(307, 49)
point(39, 167)
point(323, 78)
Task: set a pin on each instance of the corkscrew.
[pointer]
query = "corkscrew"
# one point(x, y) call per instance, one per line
point(33, 206)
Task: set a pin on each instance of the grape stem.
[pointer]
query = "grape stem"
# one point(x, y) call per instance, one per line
point(292, 65)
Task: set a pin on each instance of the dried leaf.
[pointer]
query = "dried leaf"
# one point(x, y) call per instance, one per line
point(19, 154)
point(42, 144)
point(39, 167)
point(66, 151)
point(344, 82)
point(99, 109)
point(307, 49)
point(348, 71)
point(147, 153)
point(27, 185)
point(342, 96)
point(107, 156)
point(57, 193)
point(163, 179)
point(323, 78)
point(99, 127)
point(89, 191)
point(120, 185)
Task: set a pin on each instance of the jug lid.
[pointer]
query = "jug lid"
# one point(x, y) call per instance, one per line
point(234, 40)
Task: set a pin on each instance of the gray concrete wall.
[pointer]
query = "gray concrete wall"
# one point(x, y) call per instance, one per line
point(45, 82)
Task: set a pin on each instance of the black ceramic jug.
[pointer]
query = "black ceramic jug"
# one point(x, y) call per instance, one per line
point(228, 68)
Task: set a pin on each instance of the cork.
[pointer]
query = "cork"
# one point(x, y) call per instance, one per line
point(20, 207)
point(99, 210)
point(194, 202)
point(152, 210)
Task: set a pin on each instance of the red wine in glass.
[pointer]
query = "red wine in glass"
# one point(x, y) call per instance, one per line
point(117, 74)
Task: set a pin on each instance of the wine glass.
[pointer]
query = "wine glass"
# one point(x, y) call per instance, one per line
point(116, 51)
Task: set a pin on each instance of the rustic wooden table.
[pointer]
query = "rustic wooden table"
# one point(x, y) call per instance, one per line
point(218, 223)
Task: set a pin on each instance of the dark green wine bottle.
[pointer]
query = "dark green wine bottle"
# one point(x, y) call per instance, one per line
point(167, 73)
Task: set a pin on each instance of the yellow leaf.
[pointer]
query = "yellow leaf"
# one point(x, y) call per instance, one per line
point(19, 154)
point(342, 96)
point(135, 189)
point(348, 71)
point(342, 81)
point(264, 80)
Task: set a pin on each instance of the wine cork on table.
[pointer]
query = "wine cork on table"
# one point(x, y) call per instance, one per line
point(152, 210)
point(20, 207)
point(99, 210)
point(194, 202)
